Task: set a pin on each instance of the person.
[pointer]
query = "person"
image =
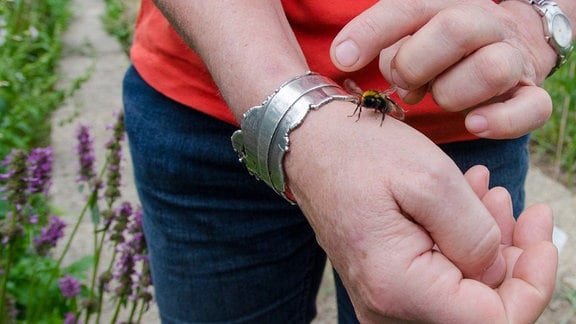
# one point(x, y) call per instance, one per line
point(414, 228)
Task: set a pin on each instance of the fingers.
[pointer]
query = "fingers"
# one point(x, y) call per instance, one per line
point(360, 41)
point(466, 54)
point(462, 66)
point(499, 204)
point(478, 178)
point(533, 260)
point(442, 34)
point(450, 36)
point(488, 72)
point(535, 224)
point(449, 209)
point(527, 109)
point(533, 281)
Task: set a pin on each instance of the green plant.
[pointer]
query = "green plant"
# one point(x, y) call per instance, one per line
point(35, 286)
point(118, 21)
point(30, 33)
point(555, 142)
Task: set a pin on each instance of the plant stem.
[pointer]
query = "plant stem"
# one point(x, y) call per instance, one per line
point(101, 287)
point(560, 142)
point(133, 311)
point(143, 309)
point(117, 311)
point(3, 294)
point(7, 269)
point(64, 251)
point(95, 271)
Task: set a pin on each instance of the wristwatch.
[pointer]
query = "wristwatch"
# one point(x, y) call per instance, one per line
point(557, 29)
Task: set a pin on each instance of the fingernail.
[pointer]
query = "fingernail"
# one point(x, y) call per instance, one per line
point(397, 80)
point(402, 93)
point(347, 53)
point(476, 124)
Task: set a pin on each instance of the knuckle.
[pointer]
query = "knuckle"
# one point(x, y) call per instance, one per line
point(435, 180)
point(377, 301)
point(494, 72)
point(458, 27)
point(484, 251)
point(369, 27)
point(410, 7)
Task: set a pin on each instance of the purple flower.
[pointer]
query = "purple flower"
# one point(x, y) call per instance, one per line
point(15, 178)
point(11, 311)
point(143, 282)
point(70, 318)
point(120, 221)
point(39, 170)
point(132, 269)
point(69, 286)
point(114, 157)
point(49, 235)
point(10, 230)
point(123, 270)
point(137, 241)
point(85, 151)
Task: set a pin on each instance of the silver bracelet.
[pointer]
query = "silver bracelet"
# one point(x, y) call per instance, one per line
point(263, 140)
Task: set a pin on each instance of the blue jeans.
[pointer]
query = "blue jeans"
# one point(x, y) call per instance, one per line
point(224, 248)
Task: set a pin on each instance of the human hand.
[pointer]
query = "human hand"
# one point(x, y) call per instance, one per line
point(473, 56)
point(383, 201)
point(531, 257)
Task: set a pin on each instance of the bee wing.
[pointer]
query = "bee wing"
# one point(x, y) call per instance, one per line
point(352, 87)
point(395, 110)
point(389, 91)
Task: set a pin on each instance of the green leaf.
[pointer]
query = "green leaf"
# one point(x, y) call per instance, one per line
point(78, 268)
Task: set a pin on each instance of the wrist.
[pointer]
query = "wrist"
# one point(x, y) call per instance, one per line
point(548, 29)
point(315, 144)
point(263, 139)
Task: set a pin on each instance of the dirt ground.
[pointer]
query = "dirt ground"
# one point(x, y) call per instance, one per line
point(89, 47)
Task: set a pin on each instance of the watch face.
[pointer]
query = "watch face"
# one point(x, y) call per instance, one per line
point(561, 31)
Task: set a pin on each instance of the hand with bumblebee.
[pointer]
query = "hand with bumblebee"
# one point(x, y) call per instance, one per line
point(410, 236)
point(475, 56)
point(416, 240)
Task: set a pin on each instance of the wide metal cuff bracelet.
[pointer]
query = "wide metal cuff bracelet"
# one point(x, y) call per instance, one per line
point(262, 141)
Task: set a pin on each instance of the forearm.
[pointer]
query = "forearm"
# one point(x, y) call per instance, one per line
point(248, 47)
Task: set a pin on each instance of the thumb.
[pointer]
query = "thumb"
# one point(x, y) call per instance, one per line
point(528, 108)
point(379, 27)
point(458, 222)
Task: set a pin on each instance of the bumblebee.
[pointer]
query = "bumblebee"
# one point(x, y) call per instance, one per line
point(374, 99)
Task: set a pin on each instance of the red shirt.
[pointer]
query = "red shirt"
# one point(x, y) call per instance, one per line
point(172, 68)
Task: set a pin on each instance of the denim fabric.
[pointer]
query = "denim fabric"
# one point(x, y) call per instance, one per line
point(223, 247)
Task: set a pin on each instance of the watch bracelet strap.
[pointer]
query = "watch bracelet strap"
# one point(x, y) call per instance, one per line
point(561, 58)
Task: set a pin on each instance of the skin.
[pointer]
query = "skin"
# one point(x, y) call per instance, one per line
point(495, 54)
point(382, 233)
point(432, 248)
